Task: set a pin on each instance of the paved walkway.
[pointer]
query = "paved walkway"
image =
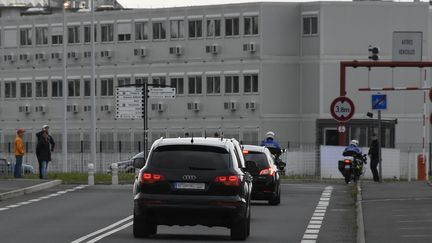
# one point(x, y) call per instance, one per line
point(397, 212)
point(16, 187)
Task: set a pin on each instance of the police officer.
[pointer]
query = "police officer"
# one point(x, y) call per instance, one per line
point(271, 144)
point(373, 154)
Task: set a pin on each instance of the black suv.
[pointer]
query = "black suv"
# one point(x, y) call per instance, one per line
point(266, 175)
point(193, 181)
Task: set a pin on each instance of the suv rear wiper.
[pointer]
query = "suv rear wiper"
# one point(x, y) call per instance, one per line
point(200, 168)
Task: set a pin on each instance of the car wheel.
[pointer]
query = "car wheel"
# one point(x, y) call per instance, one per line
point(239, 229)
point(142, 228)
point(276, 198)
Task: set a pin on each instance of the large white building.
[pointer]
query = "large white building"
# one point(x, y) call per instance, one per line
point(240, 69)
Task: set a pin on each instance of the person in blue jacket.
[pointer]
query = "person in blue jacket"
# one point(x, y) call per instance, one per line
point(353, 149)
point(271, 144)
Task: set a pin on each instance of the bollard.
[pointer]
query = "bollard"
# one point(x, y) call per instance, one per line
point(114, 173)
point(90, 174)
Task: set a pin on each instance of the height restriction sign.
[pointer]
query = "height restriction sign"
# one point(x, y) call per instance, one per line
point(342, 109)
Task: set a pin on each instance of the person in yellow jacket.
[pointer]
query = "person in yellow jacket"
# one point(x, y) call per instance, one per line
point(19, 153)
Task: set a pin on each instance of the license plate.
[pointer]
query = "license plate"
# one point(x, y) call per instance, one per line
point(347, 167)
point(189, 185)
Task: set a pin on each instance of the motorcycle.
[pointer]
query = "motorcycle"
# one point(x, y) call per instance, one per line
point(278, 161)
point(352, 167)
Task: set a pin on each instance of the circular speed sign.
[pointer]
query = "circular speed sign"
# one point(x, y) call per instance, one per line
point(342, 109)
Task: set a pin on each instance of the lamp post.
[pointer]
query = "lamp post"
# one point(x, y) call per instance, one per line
point(64, 137)
point(93, 88)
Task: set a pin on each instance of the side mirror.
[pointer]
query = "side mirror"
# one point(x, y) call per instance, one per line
point(252, 167)
point(281, 165)
point(138, 163)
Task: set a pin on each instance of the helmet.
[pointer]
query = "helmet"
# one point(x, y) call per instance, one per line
point(270, 134)
point(354, 142)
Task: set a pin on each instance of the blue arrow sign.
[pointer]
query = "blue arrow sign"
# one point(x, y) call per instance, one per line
point(379, 102)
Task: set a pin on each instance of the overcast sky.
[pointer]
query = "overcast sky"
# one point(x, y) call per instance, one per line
point(177, 3)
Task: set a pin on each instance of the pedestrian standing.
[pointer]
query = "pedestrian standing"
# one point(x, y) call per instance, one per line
point(45, 128)
point(373, 154)
point(43, 154)
point(19, 153)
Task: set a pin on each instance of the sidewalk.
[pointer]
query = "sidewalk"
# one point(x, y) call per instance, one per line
point(17, 187)
point(397, 212)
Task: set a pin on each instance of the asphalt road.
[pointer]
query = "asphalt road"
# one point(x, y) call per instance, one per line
point(103, 214)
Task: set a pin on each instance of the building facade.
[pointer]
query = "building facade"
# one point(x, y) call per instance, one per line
point(238, 69)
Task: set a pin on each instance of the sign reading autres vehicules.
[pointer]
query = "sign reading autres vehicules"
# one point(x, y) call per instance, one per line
point(407, 46)
point(129, 103)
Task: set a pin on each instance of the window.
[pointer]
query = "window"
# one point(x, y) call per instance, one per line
point(251, 25)
point(41, 88)
point(213, 28)
point(26, 90)
point(107, 33)
point(57, 88)
point(195, 85)
point(213, 85)
point(10, 37)
point(123, 81)
point(159, 31)
point(74, 88)
point(10, 89)
point(56, 35)
point(73, 34)
point(141, 31)
point(177, 29)
point(87, 87)
point(310, 25)
point(107, 87)
point(231, 26)
point(41, 35)
point(140, 80)
point(26, 37)
point(87, 29)
point(231, 84)
point(251, 83)
point(124, 31)
point(178, 84)
point(158, 81)
point(195, 28)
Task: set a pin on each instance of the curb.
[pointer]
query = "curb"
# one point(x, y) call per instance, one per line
point(360, 223)
point(28, 190)
point(322, 181)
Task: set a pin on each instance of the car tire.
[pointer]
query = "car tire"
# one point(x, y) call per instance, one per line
point(240, 228)
point(276, 198)
point(142, 228)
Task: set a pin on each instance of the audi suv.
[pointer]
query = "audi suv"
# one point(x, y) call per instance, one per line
point(193, 181)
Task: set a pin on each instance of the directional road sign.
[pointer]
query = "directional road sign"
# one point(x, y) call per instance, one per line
point(379, 102)
point(129, 103)
point(162, 93)
point(342, 109)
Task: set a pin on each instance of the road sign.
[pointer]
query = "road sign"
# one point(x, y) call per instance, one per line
point(342, 109)
point(407, 46)
point(129, 103)
point(379, 102)
point(341, 128)
point(162, 93)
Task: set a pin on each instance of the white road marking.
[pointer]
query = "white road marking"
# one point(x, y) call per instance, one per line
point(110, 232)
point(313, 228)
point(103, 230)
point(3, 209)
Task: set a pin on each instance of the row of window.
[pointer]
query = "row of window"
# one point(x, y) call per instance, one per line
point(178, 29)
point(193, 84)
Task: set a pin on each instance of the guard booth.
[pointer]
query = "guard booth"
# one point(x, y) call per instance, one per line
point(359, 129)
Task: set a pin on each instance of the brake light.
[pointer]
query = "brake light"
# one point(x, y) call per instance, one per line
point(347, 161)
point(231, 180)
point(245, 151)
point(267, 171)
point(151, 178)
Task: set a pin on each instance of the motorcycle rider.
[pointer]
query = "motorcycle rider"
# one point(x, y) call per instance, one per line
point(353, 149)
point(271, 144)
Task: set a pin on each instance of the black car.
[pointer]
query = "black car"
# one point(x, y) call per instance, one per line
point(127, 165)
point(193, 181)
point(266, 180)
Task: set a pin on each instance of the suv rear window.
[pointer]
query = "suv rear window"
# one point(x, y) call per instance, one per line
point(257, 157)
point(194, 157)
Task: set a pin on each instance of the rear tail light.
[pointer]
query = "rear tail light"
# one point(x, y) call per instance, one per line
point(347, 161)
point(151, 178)
point(267, 171)
point(231, 180)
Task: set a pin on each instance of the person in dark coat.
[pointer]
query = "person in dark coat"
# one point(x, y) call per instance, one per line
point(43, 154)
point(373, 154)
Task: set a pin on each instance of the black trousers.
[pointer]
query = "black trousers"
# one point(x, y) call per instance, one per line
point(373, 166)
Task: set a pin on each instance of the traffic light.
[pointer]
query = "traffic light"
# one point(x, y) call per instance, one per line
point(373, 53)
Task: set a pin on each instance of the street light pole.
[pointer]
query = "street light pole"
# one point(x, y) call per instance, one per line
point(64, 137)
point(93, 88)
